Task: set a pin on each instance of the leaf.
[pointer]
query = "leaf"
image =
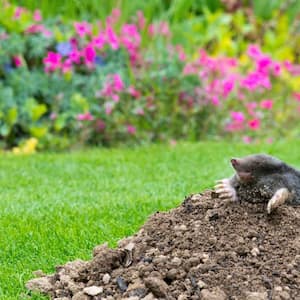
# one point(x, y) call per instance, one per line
point(37, 111)
point(4, 130)
point(38, 132)
point(12, 116)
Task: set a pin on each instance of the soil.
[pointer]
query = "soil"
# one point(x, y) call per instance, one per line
point(206, 249)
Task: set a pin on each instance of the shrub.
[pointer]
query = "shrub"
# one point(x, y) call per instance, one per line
point(111, 82)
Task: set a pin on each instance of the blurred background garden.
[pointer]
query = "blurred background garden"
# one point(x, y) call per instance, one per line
point(105, 73)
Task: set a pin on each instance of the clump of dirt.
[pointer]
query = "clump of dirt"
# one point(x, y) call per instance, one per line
point(205, 249)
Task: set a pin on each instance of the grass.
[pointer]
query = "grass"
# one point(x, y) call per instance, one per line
point(57, 207)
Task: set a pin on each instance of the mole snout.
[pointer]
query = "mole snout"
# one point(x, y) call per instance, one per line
point(234, 162)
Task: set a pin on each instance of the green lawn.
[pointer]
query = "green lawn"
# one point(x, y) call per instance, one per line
point(57, 207)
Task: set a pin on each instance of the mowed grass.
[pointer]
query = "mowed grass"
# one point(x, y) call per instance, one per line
point(56, 207)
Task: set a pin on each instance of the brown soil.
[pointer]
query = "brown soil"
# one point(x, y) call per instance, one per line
point(205, 249)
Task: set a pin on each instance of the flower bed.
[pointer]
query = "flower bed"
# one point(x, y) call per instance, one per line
point(109, 82)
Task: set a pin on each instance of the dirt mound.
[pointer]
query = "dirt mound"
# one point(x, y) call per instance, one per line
point(205, 249)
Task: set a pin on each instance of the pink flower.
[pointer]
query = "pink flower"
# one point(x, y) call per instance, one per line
point(89, 55)
point(118, 83)
point(254, 51)
point(67, 66)
point(82, 28)
point(116, 13)
point(85, 117)
point(266, 104)
point(256, 79)
point(74, 56)
point(189, 68)
point(131, 129)
point(100, 125)
point(254, 124)
point(99, 41)
point(52, 61)
point(18, 12)
point(115, 97)
point(37, 15)
point(263, 63)
point(151, 29)
point(17, 61)
point(288, 65)
point(38, 28)
point(112, 38)
point(108, 108)
point(228, 86)
point(276, 69)
point(215, 101)
point(133, 92)
point(53, 116)
point(247, 139)
point(251, 108)
point(164, 29)
point(234, 126)
point(237, 116)
point(297, 96)
point(139, 111)
point(181, 53)
point(141, 20)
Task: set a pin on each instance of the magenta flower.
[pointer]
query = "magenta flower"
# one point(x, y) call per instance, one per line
point(228, 86)
point(254, 124)
point(89, 55)
point(237, 116)
point(37, 15)
point(17, 61)
point(99, 41)
point(38, 28)
point(297, 96)
point(266, 104)
point(254, 51)
point(118, 83)
point(276, 69)
point(52, 61)
point(256, 79)
point(74, 56)
point(131, 129)
point(82, 28)
point(85, 117)
point(133, 92)
point(67, 66)
point(18, 12)
point(112, 38)
point(215, 100)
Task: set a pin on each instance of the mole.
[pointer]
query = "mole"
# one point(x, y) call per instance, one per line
point(261, 178)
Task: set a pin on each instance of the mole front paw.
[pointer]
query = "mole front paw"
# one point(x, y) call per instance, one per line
point(225, 191)
point(278, 199)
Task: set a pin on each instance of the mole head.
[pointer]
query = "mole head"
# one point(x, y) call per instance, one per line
point(251, 167)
